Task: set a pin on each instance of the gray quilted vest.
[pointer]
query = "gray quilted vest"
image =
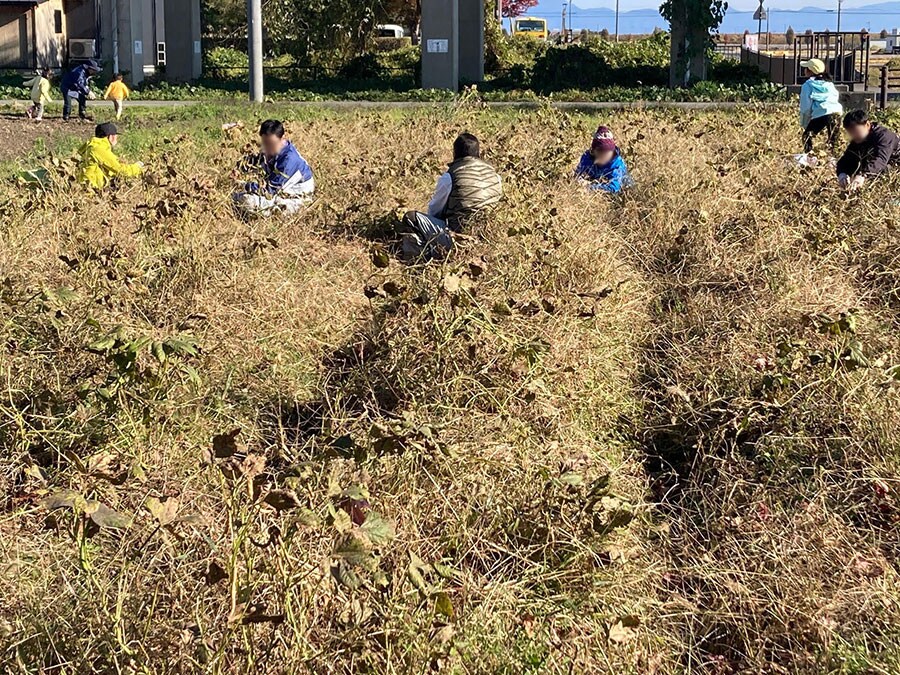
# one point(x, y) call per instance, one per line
point(475, 186)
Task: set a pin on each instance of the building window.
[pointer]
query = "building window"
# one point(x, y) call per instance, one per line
point(57, 21)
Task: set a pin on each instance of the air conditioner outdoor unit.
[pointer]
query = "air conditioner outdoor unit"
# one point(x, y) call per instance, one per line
point(82, 49)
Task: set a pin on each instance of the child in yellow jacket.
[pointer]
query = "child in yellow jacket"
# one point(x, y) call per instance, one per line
point(99, 164)
point(40, 94)
point(117, 92)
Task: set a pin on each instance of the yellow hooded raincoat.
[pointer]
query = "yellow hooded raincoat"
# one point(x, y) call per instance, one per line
point(99, 164)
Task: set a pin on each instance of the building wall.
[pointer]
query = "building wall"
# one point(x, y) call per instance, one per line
point(141, 25)
point(80, 18)
point(15, 37)
point(50, 45)
point(132, 48)
point(471, 40)
point(182, 23)
point(148, 37)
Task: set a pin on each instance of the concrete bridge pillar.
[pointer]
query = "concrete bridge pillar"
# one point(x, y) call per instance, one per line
point(452, 43)
point(471, 40)
point(130, 25)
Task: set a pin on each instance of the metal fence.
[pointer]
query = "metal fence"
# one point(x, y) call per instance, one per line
point(779, 69)
point(889, 80)
point(846, 55)
point(732, 52)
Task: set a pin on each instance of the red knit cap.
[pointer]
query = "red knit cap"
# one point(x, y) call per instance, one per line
point(603, 139)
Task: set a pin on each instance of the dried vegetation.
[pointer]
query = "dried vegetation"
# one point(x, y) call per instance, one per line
point(648, 434)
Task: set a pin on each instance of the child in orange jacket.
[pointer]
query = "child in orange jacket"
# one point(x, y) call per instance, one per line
point(117, 92)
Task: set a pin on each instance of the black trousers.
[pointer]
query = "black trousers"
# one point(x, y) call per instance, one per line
point(67, 105)
point(830, 124)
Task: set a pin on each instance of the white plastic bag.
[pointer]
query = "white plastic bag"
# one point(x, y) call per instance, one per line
point(805, 160)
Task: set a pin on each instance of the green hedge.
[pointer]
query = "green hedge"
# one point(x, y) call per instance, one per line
point(388, 44)
point(225, 57)
point(599, 63)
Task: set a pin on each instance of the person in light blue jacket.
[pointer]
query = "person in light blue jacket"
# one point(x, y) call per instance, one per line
point(602, 167)
point(820, 106)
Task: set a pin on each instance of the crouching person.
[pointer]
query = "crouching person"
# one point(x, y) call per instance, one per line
point(602, 167)
point(286, 184)
point(469, 186)
point(99, 164)
point(872, 149)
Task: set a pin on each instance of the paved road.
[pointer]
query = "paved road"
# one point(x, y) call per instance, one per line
point(401, 105)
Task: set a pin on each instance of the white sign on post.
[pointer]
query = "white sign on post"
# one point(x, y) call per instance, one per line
point(138, 47)
point(437, 46)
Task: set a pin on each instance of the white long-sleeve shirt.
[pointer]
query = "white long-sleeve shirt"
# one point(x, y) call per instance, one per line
point(441, 195)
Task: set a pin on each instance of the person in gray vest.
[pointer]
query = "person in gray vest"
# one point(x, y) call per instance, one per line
point(469, 186)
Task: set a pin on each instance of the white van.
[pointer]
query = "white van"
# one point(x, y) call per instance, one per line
point(389, 30)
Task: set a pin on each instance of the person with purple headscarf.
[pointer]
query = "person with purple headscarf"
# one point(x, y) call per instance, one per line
point(602, 167)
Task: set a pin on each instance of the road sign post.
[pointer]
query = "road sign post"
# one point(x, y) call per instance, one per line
point(760, 15)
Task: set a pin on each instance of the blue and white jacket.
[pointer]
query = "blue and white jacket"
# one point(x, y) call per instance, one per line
point(77, 81)
point(287, 174)
point(611, 177)
point(818, 98)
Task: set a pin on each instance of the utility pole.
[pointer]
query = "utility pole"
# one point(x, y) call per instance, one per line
point(562, 32)
point(571, 2)
point(839, 16)
point(617, 20)
point(255, 49)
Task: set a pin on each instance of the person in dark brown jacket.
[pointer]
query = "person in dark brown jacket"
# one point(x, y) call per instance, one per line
point(469, 186)
point(872, 149)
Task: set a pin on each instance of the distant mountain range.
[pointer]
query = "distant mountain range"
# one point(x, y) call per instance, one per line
point(871, 17)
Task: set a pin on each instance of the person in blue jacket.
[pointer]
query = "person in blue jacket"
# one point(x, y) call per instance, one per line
point(820, 106)
point(602, 167)
point(285, 183)
point(76, 84)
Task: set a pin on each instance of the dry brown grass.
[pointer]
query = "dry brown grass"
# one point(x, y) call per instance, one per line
point(609, 435)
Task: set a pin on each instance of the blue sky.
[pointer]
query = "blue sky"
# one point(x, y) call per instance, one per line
point(821, 15)
point(625, 5)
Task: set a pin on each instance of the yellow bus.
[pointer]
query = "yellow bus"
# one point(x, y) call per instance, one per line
point(532, 27)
